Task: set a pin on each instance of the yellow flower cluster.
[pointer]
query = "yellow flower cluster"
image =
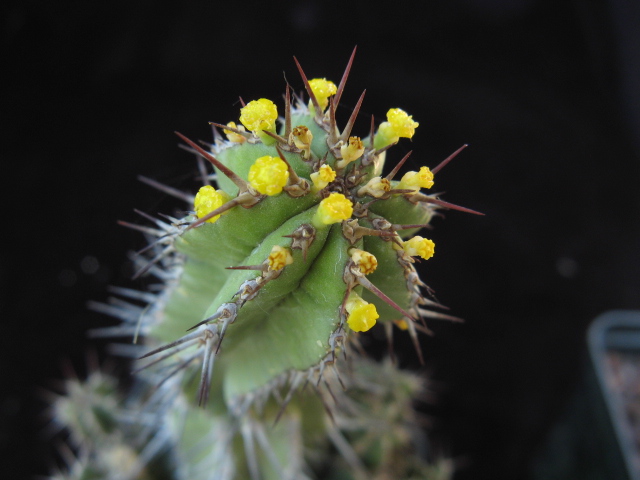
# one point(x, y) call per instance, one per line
point(268, 175)
point(418, 246)
point(362, 315)
point(323, 89)
point(233, 136)
point(417, 180)
point(259, 115)
point(351, 151)
point(207, 200)
point(333, 209)
point(279, 258)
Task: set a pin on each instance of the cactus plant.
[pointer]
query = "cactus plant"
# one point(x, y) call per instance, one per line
point(250, 365)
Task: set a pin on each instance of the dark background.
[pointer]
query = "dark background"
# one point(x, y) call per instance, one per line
point(544, 91)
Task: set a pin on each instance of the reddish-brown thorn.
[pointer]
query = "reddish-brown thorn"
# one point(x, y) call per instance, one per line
point(333, 126)
point(345, 76)
point(407, 227)
point(223, 208)
point(242, 184)
point(275, 136)
point(439, 316)
point(293, 176)
point(352, 119)
point(287, 112)
point(362, 280)
point(395, 170)
point(261, 268)
point(448, 159)
point(231, 129)
point(384, 149)
point(372, 132)
point(307, 87)
point(242, 102)
point(442, 203)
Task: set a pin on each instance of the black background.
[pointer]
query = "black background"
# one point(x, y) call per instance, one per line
point(545, 93)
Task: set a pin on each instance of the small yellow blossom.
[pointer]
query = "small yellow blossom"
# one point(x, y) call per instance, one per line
point(376, 187)
point(401, 324)
point(322, 89)
point(398, 124)
point(366, 261)
point(351, 151)
point(323, 177)
point(362, 315)
point(233, 136)
point(333, 209)
point(418, 246)
point(279, 258)
point(207, 200)
point(417, 180)
point(302, 137)
point(259, 115)
point(268, 175)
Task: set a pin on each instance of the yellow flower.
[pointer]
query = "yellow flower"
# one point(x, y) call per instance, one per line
point(362, 315)
point(268, 175)
point(376, 187)
point(207, 200)
point(233, 136)
point(351, 151)
point(418, 246)
point(417, 180)
point(323, 177)
point(259, 115)
point(279, 258)
point(333, 209)
point(302, 137)
point(398, 124)
point(366, 261)
point(322, 89)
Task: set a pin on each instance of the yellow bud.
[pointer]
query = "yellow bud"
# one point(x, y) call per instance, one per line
point(353, 150)
point(366, 261)
point(207, 200)
point(401, 324)
point(279, 258)
point(362, 315)
point(417, 180)
point(418, 246)
point(233, 136)
point(268, 175)
point(333, 209)
point(323, 177)
point(259, 115)
point(398, 124)
point(322, 89)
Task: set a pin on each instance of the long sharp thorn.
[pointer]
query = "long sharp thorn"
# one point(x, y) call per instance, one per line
point(448, 159)
point(416, 342)
point(166, 355)
point(362, 280)
point(261, 268)
point(287, 112)
point(231, 129)
point(152, 262)
point(436, 201)
point(223, 208)
point(333, 126)
point(345, 76)
point(242, 102)
point(439, 316)
point(395, 170)
point(276, 136)
point(242, 184)
point(223, 330)
point(174, 192)
point(141, 228)
point(293, 176)
point(307, 87)
point(206, 320)
point(352, 119)
point(372, 132)
point(407, 227)
point(205, 376)
point(180, 341)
